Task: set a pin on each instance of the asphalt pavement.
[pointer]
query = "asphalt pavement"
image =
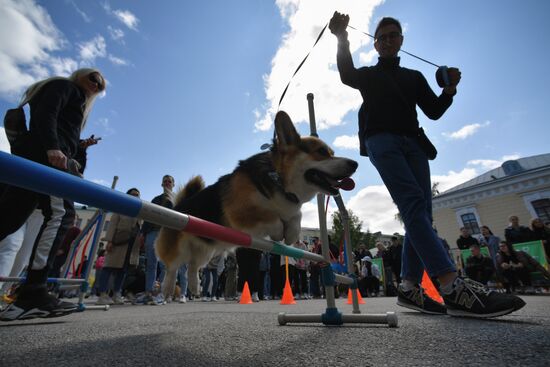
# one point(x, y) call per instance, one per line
point(229, 334)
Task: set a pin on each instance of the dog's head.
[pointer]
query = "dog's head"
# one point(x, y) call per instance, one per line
point(307, 165)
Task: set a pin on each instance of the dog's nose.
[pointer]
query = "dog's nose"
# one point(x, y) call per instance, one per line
point(352, 164)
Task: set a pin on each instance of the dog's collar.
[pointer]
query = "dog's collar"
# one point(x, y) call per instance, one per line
point(276, 178)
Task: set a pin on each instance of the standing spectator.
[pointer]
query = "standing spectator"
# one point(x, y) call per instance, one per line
point(384, 254)
point(59, 110)
point(389, 133)
point(122, 249)
point(491, 241)
point(248, 261)
point(478, 267)
point(516, 233)
point(395, 255)
point(150, 233)
point(541, 233)
point(265, 264)
point(361, 252)
point(230, 289)
point(465, 240)
point(370, 277)
point(210, 272)
point(301, 273)
point(315, 271)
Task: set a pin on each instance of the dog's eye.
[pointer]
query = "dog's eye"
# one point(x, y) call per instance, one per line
point(323, 151)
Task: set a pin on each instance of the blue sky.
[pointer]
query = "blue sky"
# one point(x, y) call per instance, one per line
point(193, 86)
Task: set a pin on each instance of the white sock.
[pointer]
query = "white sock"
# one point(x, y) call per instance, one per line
point(407, 285)
point(448, 288)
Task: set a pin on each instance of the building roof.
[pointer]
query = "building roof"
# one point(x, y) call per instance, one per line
point(507, 169)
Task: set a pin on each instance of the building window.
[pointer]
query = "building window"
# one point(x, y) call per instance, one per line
point(542, 208)
point(469, 221)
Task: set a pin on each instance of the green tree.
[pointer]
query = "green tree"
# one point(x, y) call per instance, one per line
point(355, 225)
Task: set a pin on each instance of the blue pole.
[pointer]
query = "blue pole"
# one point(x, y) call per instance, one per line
point(17, 171)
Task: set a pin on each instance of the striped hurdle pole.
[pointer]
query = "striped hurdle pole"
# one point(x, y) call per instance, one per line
point(17, 171)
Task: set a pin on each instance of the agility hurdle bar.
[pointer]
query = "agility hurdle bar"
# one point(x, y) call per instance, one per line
point(17, 171)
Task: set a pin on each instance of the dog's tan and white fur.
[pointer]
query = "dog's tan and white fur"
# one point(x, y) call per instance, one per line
point(262, 197)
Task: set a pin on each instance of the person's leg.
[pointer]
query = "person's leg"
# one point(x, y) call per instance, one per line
point(9, 247)
point(206, 283)
point(214, 275)
point(405, 171)
point(182, 278)
point(104, 278)
point(152, 261)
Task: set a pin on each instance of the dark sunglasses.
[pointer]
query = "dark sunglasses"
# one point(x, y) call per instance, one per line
point(95, 78)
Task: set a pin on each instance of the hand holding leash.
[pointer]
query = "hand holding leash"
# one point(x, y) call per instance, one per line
point(338, 24)
point(448, 78)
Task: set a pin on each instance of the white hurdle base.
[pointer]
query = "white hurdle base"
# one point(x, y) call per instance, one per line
point(390, 318)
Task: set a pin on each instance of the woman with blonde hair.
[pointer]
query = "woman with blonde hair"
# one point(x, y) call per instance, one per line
point(59, 110)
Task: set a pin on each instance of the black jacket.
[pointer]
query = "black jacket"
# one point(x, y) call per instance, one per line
point(390, 95)
point(57, 115)
point(161, 200)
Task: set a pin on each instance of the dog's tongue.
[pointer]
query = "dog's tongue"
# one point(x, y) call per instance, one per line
point(346, 184)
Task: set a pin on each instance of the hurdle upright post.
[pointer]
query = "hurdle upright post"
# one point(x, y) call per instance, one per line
point(332, 316)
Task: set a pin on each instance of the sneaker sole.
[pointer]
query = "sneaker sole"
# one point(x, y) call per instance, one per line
point(460, 313)
point(416, 308)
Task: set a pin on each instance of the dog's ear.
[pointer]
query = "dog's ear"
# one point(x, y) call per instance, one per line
point(286, 132)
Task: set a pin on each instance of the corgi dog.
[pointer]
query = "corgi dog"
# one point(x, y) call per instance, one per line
point(262, 197)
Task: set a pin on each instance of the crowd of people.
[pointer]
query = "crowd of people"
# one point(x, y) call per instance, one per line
point(505, 265)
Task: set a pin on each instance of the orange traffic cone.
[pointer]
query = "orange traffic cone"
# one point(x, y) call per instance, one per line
point(245, 296)
point(288, 298)
point(359, 298)
point(430, 289)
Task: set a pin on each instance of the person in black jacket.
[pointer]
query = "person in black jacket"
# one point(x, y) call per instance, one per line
point(465, 240)
point(479, 267)
point(389, 130)
point(59, 110)
point(150, 232)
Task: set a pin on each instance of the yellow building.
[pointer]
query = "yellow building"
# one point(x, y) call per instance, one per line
point(519, 187)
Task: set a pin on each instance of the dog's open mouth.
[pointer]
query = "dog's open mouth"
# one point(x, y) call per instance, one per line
point(328, 184)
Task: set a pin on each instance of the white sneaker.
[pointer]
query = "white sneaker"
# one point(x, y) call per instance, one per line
point(183, 299)
point(118, 299)
point(255, 297)
point(205, 299)
point(104, 299)
point(214, 299)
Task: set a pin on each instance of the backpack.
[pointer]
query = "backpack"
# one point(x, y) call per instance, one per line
point(15, 124)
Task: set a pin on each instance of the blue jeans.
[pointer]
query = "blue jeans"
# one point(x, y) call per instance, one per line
point(152, 262)
point(182, 278)
point(105, 276)
point(405, 171)
point(207, 273)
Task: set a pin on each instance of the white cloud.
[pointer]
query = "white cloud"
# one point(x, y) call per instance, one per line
point(94, 48)
point(63, 66)
point(465, 131)
point(28, 36)
point(4, 143)
point(117, 60)
point(374, 207)
point(347, 142)
point(452, 178)
point(127, 17)
point(310, 215)
point(489, 164)
point(84, 16)
point(106, 125)
point(101, 181)
point(117, 34)
point(318, 75)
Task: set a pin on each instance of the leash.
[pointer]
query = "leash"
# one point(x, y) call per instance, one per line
point(317, 41)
